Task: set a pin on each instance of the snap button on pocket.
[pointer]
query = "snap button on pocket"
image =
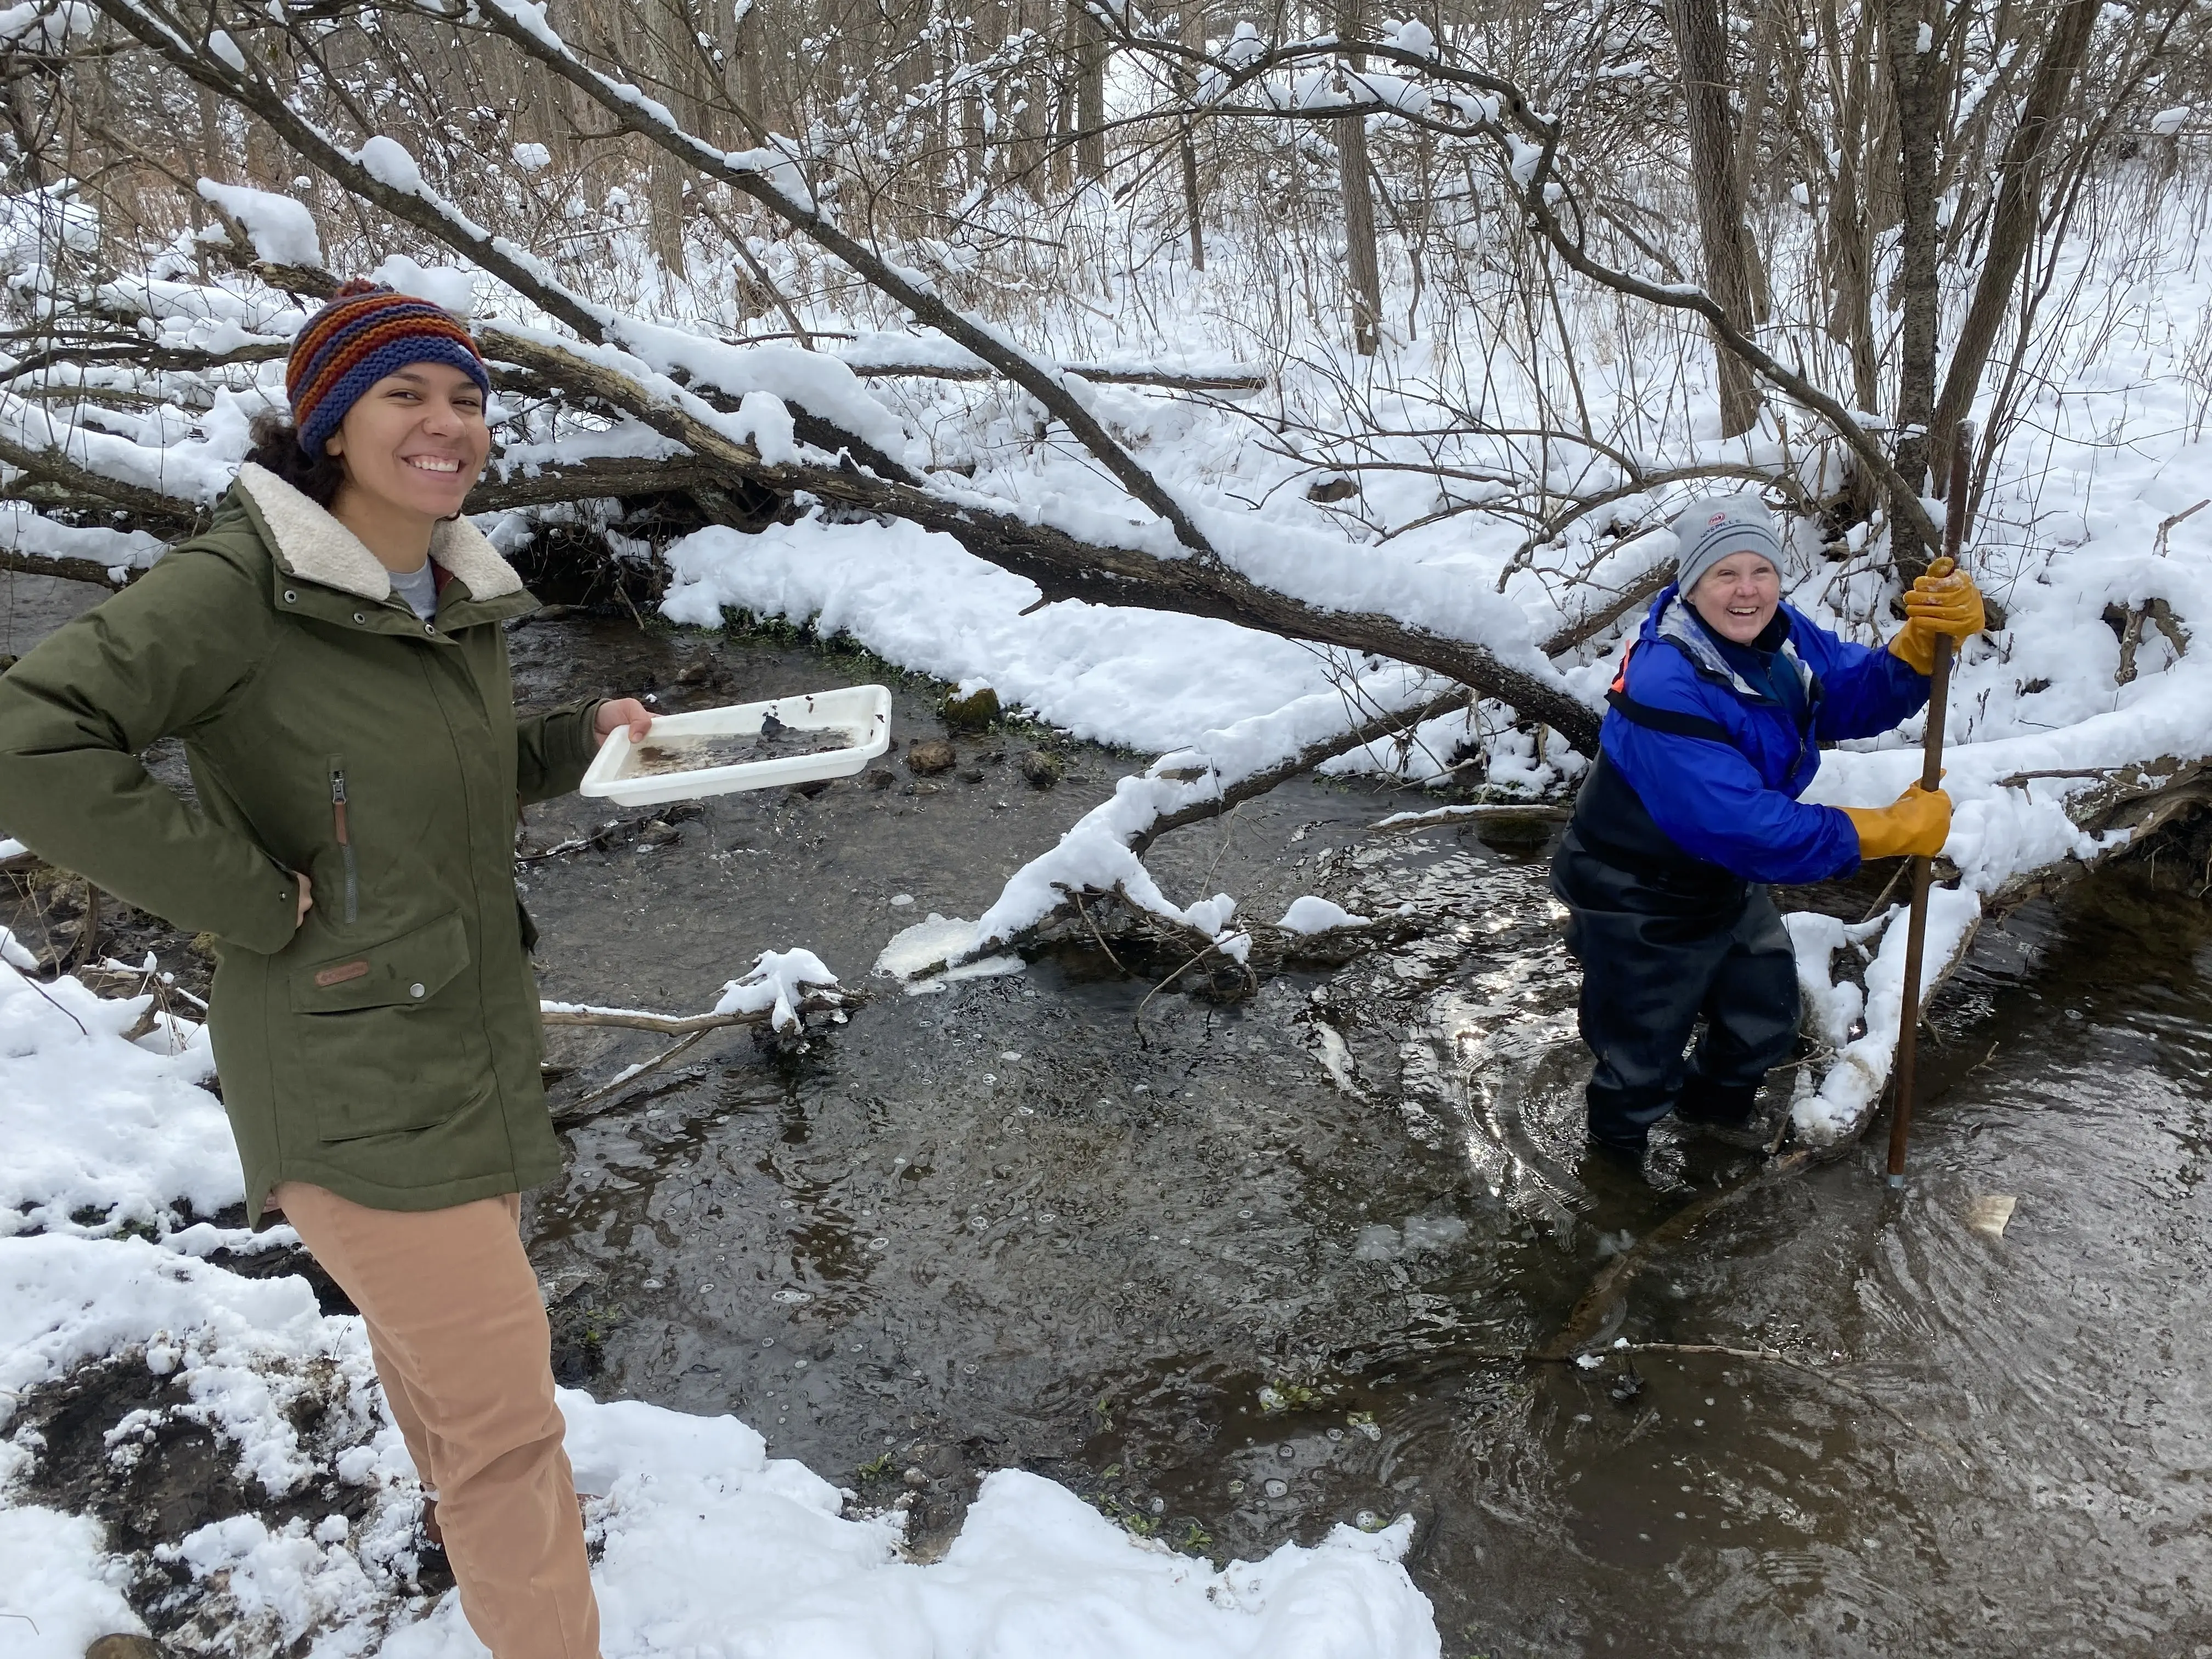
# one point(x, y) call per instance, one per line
point(359, 618)
point(291, 598)
point(430, 628)
point(415, 989)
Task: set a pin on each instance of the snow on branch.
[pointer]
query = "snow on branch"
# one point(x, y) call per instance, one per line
point(1313, 79)
point(780, 987)
point(280, 229)
point(1300, 585)
point(1103, 853)
point(756, 173)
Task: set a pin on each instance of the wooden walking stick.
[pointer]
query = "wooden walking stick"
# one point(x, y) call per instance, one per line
point(1932, 778)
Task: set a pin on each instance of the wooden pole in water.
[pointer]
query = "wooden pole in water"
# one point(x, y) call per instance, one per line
point(1932, 778)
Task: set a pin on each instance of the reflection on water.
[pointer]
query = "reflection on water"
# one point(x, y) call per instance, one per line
point(1236, 1273)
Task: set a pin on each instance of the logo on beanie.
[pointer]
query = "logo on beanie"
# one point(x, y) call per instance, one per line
point(1717, 520)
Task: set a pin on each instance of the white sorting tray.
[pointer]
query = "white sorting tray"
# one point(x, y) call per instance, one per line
point(861, 713)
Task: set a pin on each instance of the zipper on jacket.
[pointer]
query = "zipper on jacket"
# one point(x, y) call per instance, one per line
point(345, 839)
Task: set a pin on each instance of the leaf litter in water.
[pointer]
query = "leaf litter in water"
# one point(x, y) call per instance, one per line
point(773, 741)
point(1989, 1212)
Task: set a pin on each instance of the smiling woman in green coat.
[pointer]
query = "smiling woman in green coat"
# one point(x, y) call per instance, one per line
point(330, 651)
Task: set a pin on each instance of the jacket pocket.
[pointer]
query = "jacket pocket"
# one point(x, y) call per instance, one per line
point(388, 1040)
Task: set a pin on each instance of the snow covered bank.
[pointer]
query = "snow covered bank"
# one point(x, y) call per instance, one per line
point(710, 1546)
point(1847, 1095)
point(1097, 852)
point(1141, 678)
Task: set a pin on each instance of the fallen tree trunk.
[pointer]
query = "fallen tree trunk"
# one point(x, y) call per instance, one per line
point(173, 516)
point(1060, 566)
point(1358, 736)
point(1159, 380)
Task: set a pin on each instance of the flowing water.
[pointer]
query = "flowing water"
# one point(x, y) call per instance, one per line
point(1239, 1270)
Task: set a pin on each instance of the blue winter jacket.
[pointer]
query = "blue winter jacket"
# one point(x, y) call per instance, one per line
point(1719, 760)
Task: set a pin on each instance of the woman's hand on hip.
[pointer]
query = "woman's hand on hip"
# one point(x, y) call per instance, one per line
point(624, 711)
point(306, 899)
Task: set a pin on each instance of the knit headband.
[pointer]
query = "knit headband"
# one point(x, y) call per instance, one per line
point(367, 332)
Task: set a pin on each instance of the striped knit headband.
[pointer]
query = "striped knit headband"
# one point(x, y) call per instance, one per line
point(366, 332)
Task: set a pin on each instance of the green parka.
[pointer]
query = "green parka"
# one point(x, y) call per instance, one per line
point(388, 1048)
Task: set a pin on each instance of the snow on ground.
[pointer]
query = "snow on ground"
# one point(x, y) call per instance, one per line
point(2092, 512)
point(711, 1546)
point(128, 1143)
point(2089, 514)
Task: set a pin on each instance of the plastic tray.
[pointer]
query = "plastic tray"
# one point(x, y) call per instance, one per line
point(862, 713)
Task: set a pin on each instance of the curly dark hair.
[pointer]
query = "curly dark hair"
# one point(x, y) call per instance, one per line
point(277, 447)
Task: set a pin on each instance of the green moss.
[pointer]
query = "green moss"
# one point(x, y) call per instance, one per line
point(975, 713)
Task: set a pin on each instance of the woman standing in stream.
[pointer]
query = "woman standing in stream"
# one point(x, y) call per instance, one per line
point(1690, 807)
point(330, 651)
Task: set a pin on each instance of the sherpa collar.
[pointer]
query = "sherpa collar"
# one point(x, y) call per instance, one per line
point(316, 548)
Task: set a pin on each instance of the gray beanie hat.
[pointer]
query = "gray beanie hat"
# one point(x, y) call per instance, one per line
point(1711, 527)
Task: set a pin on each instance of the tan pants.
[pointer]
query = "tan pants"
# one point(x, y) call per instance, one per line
point(465, 1354)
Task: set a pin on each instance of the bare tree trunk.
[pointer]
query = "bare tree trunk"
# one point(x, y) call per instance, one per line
point(1916, 83)
point(748, 79)
point(1090, 96)
point(1766, 55)
point(1847, 228)
point(1032, 119)
point(1066, 96)
point(1701, 51)
point(17, 73)
point(1192, 33)
point(1363, 261)
point(2012, 229)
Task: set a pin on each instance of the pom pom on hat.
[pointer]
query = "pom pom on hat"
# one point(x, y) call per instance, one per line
point(367, 332)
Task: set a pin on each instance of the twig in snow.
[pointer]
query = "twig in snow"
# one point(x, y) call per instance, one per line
point(1882, 898)
point(2174, 521)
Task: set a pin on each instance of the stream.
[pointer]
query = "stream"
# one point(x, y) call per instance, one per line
point(1237, 1271)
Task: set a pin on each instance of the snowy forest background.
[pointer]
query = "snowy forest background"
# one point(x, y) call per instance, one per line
point(1401, 336)
point(1395, 339)
point(1258, 390)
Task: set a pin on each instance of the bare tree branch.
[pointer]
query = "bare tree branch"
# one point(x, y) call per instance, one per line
point(652, 121)
point(1060, 565)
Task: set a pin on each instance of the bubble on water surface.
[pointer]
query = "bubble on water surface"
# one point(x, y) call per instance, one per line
point(1277, 1488)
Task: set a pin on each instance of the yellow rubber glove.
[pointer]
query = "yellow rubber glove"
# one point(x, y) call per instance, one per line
point(1918, 821)
point(1944, 601)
